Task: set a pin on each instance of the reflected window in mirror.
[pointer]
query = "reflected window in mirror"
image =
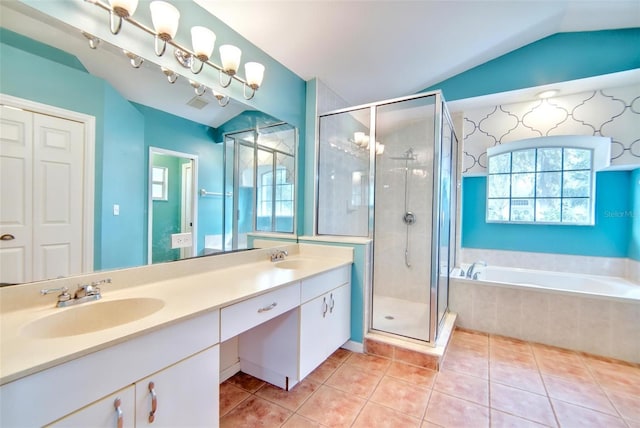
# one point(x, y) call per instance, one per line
point(159, 183)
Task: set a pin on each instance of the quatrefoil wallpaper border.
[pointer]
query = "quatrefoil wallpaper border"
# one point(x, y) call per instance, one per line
point(611, 113)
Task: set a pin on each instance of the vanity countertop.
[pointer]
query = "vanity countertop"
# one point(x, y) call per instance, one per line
point(184, 296)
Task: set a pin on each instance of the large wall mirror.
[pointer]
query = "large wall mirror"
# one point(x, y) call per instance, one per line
point(138, 127)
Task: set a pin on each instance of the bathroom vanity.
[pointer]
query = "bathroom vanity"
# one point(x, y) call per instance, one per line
point(163, 369)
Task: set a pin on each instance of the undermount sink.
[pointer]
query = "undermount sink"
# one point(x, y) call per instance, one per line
point(91, 317)
point(295, 264)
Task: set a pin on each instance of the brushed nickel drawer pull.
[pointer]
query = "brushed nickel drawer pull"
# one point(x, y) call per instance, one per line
point(268, 308)
point(333, 303)
point(120, 418)
point(154, 402)
point(324, 307)
point(7, 237)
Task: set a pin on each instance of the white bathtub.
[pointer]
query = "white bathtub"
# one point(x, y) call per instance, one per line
point(594, 314)
point(592, 285)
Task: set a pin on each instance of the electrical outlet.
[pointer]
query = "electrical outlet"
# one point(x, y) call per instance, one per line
point(181, 240)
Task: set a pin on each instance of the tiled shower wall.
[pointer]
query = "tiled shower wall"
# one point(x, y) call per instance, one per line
point(610, 112)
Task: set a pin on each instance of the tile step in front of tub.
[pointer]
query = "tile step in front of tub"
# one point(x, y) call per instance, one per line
point(411, 351)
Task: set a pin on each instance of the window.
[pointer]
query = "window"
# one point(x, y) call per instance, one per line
point(543, 184)
point(159, 183)
point(283, 194)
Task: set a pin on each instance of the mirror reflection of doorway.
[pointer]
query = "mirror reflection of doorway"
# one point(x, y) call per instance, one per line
point(172, 227)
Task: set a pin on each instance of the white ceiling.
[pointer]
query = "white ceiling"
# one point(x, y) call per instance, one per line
point(378, 49)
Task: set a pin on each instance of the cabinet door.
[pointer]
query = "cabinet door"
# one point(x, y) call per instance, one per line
point(184, 395)
point(313, 332)
point(103, 413)
point(339, 317)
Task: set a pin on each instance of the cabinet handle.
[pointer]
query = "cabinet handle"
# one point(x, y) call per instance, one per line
point(268, 308)
point(324, 307)
point(333, 303)
point(154, 402)
point(119, 415)
point(7, 237)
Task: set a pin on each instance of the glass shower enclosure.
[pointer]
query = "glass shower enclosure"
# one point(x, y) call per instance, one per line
point(385, 171)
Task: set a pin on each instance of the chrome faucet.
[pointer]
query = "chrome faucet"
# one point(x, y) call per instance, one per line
point(471, 274)
point(84, 293)
point(279, 255)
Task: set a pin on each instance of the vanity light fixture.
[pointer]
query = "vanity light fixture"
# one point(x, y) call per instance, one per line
point(203, 40)
point(135, 60)
point(223, 100)
point(120, 9)
point(362, 141)
point(172, 76)
point(165, 18)
point(199, 88)
point(93, 40)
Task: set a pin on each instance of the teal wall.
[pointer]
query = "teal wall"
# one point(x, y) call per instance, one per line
point(166, 131)
point(166, 213)
point(51, 81)
point(634, 214)
point(609, 237)
point(557, 58)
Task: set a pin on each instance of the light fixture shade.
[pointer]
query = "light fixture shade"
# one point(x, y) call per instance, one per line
point(203, 40)
point(120, 6)
point(379, 148)
point(165, 19)
point(358, 138)
point(254, 72)
point(230, 57)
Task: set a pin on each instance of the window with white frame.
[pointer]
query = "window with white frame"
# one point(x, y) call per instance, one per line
point(159, 183)
point(283, 202)
point(546, 180)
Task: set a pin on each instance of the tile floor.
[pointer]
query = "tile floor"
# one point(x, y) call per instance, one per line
point(484, 381)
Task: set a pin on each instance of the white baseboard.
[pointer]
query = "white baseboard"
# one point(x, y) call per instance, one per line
point(354, 346)
point(229, 371)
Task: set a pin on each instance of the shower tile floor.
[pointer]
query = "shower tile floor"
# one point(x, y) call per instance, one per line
point(401, 316)
point(485, 381)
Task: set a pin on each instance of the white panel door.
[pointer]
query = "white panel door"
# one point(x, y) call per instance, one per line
point(16, 175)
point(57, 196)
point(339, 329)
point(41, 199)
point(184, 395)
point(313, 334)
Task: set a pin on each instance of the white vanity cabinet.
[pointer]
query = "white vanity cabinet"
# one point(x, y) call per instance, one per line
point(325, 325)
point(113, 411)
point(287, 348)
point(181, 358)
point(183, 395)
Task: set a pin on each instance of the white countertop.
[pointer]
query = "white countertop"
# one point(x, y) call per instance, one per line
point(184, 296)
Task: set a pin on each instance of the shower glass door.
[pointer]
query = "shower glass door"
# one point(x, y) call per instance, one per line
point(405, 193)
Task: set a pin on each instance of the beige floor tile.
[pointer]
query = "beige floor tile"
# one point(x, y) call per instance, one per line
point(570, 415)
point(449, 411)
point(418, 376)
point(377, 416)
point(521, 403)
point(401, 396)
point(463, 386)
point(354, 380)
point(331, 407)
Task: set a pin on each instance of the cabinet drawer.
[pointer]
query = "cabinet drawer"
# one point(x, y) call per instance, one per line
point(320, 284)
point(242, 316)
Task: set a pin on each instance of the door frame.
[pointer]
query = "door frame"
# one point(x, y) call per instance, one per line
point(88, 188)
point(194, 198)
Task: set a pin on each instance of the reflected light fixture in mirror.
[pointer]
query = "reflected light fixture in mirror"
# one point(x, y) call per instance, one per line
point(165, 19)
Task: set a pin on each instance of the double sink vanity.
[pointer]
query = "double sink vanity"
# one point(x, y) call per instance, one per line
point(147, 352)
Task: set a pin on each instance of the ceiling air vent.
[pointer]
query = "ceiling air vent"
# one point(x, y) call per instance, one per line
point(197, 102)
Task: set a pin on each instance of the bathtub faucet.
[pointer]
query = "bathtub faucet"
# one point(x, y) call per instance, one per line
point(471, 274)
